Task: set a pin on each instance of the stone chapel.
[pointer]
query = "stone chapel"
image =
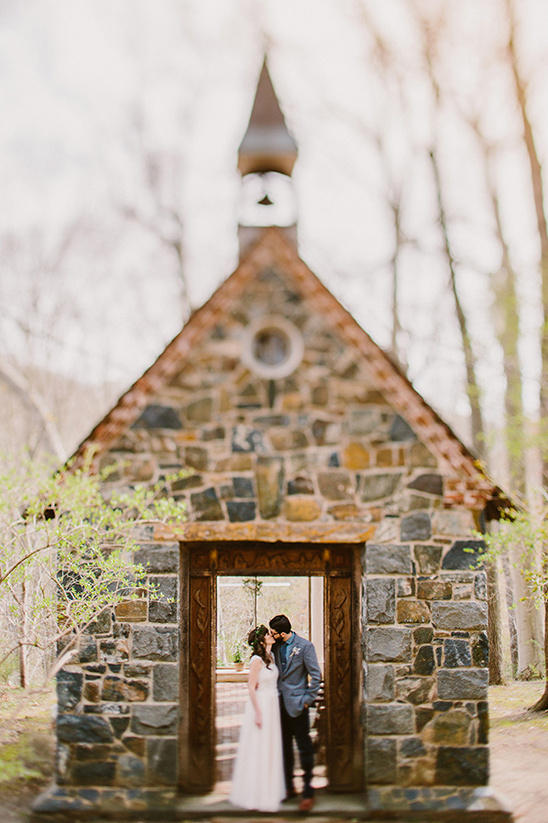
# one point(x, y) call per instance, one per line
point(311, 454)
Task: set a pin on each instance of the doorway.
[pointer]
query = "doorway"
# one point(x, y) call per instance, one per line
point(242, 603)
point(206, 565)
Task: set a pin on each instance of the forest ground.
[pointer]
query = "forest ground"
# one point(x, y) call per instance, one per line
point(519, 753)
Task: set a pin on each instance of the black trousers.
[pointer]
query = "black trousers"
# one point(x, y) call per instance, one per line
point(298, 728)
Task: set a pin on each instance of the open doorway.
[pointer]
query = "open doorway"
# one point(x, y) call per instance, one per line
point(204, 566)
point(242, 603)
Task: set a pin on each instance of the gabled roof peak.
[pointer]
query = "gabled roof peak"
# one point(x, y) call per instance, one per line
point(466, 484)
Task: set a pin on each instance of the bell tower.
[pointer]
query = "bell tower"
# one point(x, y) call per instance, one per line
point(266, 158)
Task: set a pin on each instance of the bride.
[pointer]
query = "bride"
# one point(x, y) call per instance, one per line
point(258, 778)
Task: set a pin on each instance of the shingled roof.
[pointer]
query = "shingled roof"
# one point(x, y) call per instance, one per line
point(465, 481)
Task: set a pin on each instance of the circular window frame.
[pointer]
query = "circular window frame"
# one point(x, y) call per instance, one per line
point(295, 347)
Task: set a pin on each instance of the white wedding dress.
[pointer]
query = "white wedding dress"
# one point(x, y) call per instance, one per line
point(258, 778)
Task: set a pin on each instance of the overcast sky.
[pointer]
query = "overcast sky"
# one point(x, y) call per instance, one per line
point(76, 74)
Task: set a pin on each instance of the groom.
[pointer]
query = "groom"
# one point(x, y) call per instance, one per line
point(298, 685)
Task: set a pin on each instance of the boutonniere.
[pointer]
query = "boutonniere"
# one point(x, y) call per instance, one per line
point(296, 650)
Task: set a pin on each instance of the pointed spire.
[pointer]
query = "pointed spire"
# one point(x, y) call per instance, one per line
point(267, 144)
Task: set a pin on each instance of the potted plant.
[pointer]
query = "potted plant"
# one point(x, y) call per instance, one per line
point(237, 659)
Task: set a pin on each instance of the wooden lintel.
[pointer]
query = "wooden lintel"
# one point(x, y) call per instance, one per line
point(268, 532)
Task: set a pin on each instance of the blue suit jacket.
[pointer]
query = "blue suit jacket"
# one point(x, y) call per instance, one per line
point(300, 682)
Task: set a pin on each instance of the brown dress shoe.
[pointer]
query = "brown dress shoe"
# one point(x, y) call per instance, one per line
point(306, 804)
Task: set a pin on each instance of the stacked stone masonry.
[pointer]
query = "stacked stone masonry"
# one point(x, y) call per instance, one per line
point(320, 446)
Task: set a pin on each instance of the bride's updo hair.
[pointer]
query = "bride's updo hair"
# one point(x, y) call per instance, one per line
point(255, 639)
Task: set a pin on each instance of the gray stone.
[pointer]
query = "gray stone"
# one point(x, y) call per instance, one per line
point(423, 634)
point(69, 690)
point(456, 653)
point(87, 650)
point(162, 761)
point(131, 770)
point(388, 645)
point(158, 560)
point(158, 417)
point(99, 773)
point(243, 487)
point(247, 439)
point(78, 728)
point(463, 554)
point(119, 725)
point(326, 432)
point(266, 421)
point(270, 482)
point(412, 747)
point(381, 600)
point(406, 586)
point(155, 643)
point(335, 485)
point(400, 431)
point(415, 690)
point(165, 683)
point(451, 615)
point(480, 586)
point(154, 720)
point(396, 718)
point(428, 558)
point(381, 761)
point(387, 559)
point(462, 684)
point(480, 650)
point(205, 505)
point(102, 623)
point(377, 486)
point(416, 526)
point(163, 608)
point(364, 421)
point(424, 662)
point(240, 511)
point(462, 766)
point(427, 483)
point(379, 684)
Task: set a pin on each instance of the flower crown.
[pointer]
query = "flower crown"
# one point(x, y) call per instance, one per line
point(255, 638)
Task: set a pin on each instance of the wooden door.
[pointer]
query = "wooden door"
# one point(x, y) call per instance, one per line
point(339, 565)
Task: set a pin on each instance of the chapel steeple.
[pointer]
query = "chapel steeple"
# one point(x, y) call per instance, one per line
point(266, 158)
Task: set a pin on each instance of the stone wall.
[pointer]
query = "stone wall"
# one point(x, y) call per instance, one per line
point(117, 702)
point(319, 448)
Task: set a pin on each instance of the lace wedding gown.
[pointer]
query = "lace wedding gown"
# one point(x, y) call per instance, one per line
point(258, 778)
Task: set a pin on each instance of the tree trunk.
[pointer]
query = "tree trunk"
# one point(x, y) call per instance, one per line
point(494, 630)
point(528, 625)
point(542, 704)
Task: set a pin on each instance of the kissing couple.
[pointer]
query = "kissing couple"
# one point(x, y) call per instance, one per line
point(283, 682)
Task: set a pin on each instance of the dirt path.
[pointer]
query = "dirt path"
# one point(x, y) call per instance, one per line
point(519, 757)
point(519, 750)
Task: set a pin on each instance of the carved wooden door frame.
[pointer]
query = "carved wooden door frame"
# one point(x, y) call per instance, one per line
point(340, 566)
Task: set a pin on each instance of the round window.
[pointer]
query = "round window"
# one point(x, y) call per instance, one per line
point(272, 347)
